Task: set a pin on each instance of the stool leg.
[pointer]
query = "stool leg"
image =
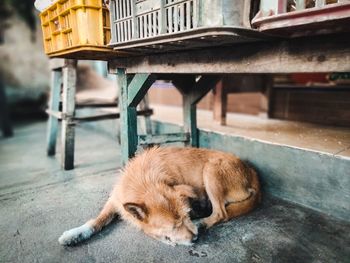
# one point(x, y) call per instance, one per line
point(52, 125)
point(220, 103)
point(5, 122)
point(68, 107)
point(144, 105)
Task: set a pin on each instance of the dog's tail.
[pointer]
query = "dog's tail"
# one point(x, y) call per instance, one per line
point(91, 227)
point(243, 207)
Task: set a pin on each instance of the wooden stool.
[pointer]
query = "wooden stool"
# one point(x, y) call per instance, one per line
point(64, 77)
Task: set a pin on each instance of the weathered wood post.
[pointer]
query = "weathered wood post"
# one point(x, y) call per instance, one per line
point(54, 101)
point(133, 89)
point(5, 122)
point(192, 92)
point(68, 108)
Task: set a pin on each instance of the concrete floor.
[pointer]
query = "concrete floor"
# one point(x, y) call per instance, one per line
point(39, 201)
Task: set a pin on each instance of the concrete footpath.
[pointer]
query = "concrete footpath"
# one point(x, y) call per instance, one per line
point(38, 201)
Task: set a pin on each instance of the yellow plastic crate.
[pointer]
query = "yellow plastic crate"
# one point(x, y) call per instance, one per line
point(78, 29)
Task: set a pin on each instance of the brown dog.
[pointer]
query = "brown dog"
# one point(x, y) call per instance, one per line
point(154, 191)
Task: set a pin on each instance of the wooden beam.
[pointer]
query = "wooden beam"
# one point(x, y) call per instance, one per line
point(323, 53)
point(202, 87)
point(110, 116)
point(96, 105)
point(220, 103)
point(163, 138)
point(68, 108)
point(128, 135)
point(139, 87)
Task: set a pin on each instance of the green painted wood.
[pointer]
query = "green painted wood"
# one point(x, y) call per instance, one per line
point(163, 138)
point(128, 119)
point(190, 120)
point(132, 91)
point(68, 108)
point(191, 96)
point(108, 116)
point(138, 88)
point(52, 125)
point(144, 105)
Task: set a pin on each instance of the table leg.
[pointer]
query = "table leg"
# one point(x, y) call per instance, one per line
point(52, 126)
point(132, 91)
point(68, 108)
point(220, 103)
point(191, 96)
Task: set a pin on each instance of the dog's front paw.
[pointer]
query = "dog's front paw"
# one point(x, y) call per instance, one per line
point(76, 235)
point(201, 226)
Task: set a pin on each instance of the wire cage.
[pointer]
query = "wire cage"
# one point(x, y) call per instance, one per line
point(312, 16)
point(136, 21)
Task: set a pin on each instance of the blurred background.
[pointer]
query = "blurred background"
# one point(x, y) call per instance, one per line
point(25, 81)
point(24, 68)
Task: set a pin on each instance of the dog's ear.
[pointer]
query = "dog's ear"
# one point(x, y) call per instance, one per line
point(185, 190)
point(139, 211)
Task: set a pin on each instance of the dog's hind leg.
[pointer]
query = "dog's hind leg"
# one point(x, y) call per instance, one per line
point(215, 192)
point(240, 206)
point(84, 232)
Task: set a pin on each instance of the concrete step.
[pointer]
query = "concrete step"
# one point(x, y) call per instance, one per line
point(303, 163)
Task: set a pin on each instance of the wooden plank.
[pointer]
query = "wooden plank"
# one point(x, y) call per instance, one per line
point(139, 87)
point(163, 138)
point(128, 119)
point(220, 103)
point(132, 91)
point(146, 113)
point(317, 54)
point(68, 107)
point(96, 105)
point(144, 105)
point(52, 124)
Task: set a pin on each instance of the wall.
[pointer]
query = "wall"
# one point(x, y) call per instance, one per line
point(24, 65)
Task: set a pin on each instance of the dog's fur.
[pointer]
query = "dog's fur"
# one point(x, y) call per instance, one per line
point(155, 187)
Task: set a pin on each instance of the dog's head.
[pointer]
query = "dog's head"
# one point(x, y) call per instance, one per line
point(164, 215)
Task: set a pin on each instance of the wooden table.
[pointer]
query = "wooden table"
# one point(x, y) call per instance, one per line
point(325, 53)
